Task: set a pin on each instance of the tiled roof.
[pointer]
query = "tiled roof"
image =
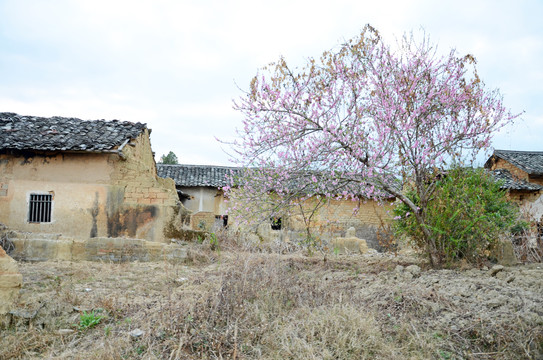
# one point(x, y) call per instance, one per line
point(197, 175)
point(217, 176)
point(510, 183)
point(528, 161)
point(20, 132)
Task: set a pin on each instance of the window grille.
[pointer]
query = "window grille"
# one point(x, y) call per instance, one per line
point(40, 208)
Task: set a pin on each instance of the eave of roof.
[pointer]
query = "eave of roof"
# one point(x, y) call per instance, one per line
point(510, 183)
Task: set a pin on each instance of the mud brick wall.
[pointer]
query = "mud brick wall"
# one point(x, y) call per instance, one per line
point(202, 220)
point(138, 176)
point(332, 221)
point(335, 218)
point(93, 195)
point(515, 171)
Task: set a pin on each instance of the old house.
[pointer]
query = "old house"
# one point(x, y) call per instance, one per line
point(82, 179)
point(200, 189)
point(522, 173)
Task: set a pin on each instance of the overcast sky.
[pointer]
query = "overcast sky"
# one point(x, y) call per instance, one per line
point(177, 65)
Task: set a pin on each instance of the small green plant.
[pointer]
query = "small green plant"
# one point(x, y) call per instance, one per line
point(214, 242)
point(140, 349)
point(445, 355)
point(88, 320)
point(107, 331)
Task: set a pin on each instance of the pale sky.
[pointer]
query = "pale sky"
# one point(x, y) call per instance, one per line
point(177, 65)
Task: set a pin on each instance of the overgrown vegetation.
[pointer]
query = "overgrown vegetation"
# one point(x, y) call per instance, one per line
point(466, 216)
point(527, 237)
point(252, 305)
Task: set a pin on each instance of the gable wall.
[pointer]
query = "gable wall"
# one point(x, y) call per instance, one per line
point(142, 204)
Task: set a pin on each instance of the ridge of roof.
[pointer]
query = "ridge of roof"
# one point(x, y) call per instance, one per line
point(201, 166)
point(518, 151)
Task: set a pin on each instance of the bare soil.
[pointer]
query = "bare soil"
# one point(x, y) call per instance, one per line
point(247, 305)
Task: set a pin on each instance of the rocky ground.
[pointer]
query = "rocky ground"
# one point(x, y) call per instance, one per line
point(247, 305)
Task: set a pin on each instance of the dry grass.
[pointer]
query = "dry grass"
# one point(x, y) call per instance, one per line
point(242, 305)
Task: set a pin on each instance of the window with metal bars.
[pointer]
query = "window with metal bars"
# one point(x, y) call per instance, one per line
point(39, 210)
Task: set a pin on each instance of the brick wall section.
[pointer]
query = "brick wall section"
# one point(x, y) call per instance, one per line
point(524, 198)
point(338, 214)
point(138, 176)
point(333, 220)
point(202, 220)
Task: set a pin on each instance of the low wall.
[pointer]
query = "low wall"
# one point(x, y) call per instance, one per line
point(40, 247)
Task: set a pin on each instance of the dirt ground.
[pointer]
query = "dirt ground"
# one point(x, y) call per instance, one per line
point(249, 305)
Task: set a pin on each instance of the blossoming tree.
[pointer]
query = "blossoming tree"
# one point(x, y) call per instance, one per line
point(360, 120)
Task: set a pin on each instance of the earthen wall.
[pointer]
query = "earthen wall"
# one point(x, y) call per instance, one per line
point(93, 195)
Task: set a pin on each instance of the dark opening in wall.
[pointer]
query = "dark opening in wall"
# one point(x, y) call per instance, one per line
point(276, 223)
point(221, 220)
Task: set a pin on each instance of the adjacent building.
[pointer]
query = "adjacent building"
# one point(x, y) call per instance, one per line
point(200, 189)
point(522, 176)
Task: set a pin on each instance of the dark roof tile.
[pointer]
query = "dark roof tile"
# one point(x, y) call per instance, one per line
point(197, 175)
point(528, 161)
point(218, 177)
point(510, 183)
point(18, 132)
